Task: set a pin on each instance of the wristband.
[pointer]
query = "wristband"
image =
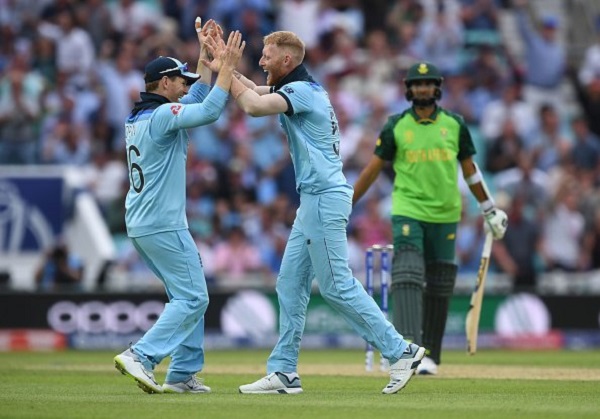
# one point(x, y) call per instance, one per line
point(486, 205)
point(474, 178)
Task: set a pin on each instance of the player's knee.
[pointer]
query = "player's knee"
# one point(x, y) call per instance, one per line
point(441, 277)
point(408, 268)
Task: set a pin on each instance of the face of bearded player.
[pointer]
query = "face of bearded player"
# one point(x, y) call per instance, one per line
point(423, 92)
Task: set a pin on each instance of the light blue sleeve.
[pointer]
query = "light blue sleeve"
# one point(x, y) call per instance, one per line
point(171, 117)
point(196, 94)
point(300, 95)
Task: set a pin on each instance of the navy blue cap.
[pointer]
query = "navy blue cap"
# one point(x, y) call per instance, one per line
point(167, 66)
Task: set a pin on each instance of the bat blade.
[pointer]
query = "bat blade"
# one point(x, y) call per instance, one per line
point(472, 320)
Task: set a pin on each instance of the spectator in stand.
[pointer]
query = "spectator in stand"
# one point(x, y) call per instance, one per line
point(122, 84)
point(526, 180)
point(75, 53)
point(20, 112)
point(548, 145)
point(371, 226)
point(130, 17)
point(590, 68)
point(589, 99)
point(440, 40)
point(564, 231)
point(60, 270)
point(68, 144)
point(300, 17)
point(585, 152)
point(545, 58)
point(518, 252)
point(235, 258)
point(455, 98)
point(470, 236)
point(504, 151)
point(480, 14)
point(509, 107)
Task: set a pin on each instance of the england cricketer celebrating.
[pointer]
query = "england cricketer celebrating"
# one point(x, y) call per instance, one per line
point(425, 145)
point(155, 213)
point(317, 246)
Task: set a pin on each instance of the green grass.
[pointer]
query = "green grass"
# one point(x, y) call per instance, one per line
point(85, 385)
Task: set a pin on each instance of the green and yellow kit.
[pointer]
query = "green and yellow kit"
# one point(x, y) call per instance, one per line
point(425, 155)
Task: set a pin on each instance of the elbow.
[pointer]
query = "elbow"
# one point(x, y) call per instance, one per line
point(251, 109)
point(213, 116)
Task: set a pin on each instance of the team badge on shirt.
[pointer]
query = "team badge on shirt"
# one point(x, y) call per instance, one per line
point(444, 132)
point(409, 137)
point(406, 230)
point(288, 89)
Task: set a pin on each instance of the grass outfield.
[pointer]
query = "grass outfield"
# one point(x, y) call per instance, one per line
point(491, 384)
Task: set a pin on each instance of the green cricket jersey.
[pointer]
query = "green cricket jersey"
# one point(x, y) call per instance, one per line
point(425, 155)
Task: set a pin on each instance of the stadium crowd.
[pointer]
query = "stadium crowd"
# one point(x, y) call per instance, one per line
point(70, 71)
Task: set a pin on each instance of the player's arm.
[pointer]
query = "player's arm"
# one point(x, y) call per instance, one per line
point(254, 104)
point(496, 220)
point(261, 90)
point(203, 32)
point(367, 177)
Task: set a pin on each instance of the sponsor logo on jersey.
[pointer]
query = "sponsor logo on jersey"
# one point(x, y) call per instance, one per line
point(406, 230)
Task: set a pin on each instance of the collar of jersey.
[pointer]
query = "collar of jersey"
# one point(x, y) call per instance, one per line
point(150, 101)
point(297, 74)
point(430, 120)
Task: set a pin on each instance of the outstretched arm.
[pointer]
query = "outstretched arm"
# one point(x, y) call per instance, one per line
point(254, 104)
point(233, 52)
point(203, 33)
point(367, 177)
point(215, 47)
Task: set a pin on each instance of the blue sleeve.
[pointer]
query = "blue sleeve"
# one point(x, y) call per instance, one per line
point(525, 28)
point(196, 94)
point(299, 96)
point(172, 117)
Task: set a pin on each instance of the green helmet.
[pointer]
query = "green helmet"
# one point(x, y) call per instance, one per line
point(423, 71)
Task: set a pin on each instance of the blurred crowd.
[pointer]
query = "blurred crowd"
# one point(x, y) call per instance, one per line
point(70, 71)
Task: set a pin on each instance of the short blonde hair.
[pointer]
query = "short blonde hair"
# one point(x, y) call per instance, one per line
point(288, 40)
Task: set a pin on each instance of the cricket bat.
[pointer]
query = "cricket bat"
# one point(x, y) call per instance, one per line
point(472, 321)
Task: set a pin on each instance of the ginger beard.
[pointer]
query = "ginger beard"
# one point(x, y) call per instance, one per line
point(272, 62)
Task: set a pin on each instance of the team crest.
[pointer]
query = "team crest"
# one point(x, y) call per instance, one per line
point(409, 137)
point(288, 90)
point(444, 132)
point(451, 236)
point(406, 230)
point(423, 69)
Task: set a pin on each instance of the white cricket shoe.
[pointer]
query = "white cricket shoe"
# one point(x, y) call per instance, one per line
point(274, 383)
point(427, 367)
point(192, 385)
point(403, 369)
point(129, 364)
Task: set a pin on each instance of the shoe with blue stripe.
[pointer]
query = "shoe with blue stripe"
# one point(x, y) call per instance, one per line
point(402, 370)
point(274, 383)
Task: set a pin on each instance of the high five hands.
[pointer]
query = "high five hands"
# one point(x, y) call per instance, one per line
point(216, 48)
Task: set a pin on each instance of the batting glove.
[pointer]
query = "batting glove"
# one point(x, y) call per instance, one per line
point(496, 222)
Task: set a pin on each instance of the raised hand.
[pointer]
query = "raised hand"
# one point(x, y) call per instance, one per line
point(214, 50)
point(206, 31)
point(233, 50)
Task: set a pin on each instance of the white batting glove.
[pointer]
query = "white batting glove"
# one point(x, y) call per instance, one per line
point(496, 222)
